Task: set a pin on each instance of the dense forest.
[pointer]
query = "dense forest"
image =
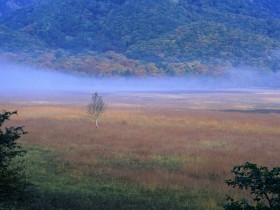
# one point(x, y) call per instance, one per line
point(9, 6)
point(147, 37)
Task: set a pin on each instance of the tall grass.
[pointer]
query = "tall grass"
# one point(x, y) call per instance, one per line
point(144, 156)
point(57, 186)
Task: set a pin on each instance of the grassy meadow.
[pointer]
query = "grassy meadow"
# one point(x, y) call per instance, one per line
point(152, 150)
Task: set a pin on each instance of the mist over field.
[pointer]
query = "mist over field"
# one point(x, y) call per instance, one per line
point(150, 104)
point(23, 78)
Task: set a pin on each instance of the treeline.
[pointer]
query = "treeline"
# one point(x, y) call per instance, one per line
point(219, 33)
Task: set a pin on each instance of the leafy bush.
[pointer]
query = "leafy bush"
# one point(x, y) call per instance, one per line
point(12, 182)
point(262, 183)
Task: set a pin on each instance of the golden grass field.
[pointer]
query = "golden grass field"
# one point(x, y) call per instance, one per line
point(186, 140)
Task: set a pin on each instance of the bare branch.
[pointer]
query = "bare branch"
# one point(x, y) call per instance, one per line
point(96, 108)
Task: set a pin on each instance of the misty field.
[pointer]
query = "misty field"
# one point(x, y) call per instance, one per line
point(152, 150)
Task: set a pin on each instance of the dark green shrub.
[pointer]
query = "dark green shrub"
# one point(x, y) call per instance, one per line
point(262, 183)
point(12, 181)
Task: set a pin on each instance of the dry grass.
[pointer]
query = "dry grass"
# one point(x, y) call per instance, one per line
point(187, 142)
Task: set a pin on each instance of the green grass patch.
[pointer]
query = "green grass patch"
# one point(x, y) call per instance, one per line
point(55, 187)
point(170, 163)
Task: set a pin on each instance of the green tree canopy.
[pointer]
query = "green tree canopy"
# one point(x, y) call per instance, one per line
point(12, 182)
point(262, 183)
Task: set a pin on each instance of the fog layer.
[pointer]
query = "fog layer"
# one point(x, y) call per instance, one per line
point(22, 78)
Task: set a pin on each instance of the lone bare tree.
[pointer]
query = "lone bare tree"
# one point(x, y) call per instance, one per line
point(95, 108)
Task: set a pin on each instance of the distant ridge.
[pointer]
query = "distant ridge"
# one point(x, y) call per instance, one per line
point(147, 37)
point(9, 6)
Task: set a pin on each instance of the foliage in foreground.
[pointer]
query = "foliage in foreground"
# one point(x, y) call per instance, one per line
point(12, 181)
point(262, 183)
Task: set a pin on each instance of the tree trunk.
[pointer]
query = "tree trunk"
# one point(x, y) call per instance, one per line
point(96, 124)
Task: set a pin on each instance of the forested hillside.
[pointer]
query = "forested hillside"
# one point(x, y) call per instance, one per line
point(9, 6)
point(147, 37)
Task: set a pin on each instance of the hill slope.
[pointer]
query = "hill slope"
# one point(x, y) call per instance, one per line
point(9, 6)
point(171, 35)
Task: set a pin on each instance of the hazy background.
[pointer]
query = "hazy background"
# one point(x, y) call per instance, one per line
point(28, 79)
